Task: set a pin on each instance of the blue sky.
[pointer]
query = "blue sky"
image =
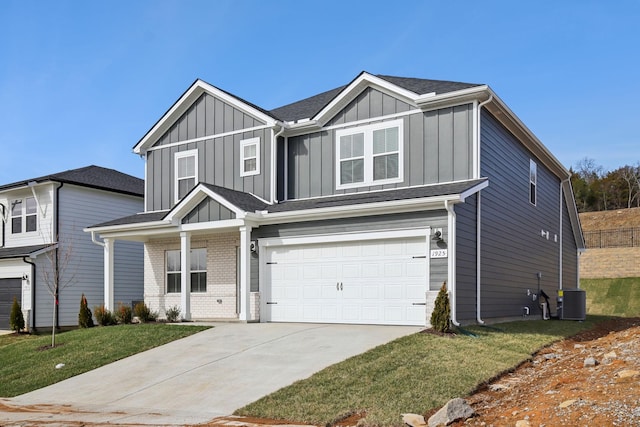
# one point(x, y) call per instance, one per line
point(82, 81)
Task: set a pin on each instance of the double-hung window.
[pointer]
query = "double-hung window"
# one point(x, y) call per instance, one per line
point(24, 215)
point(533, 181)
point(186, 172)
point(250, 157)
point(369, 155)
point(198, 271)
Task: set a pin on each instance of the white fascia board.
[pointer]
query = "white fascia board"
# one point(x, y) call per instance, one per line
point(184, 103)
point(355, 87)
point(473, 190)
point(33, 255)
point(344, 237)
point(196, 196)
point(378, 208)
point(139, 226)
point(213, 225)
point(431, 102)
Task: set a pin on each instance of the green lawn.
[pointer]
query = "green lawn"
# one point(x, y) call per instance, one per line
point(412, 374)
point(26, 364)
point(613, 297)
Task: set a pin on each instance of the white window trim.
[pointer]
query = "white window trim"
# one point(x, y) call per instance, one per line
point(179, 155)
point(23, 215)
point(251, 141)
point(368, 154)
point(178, 272)
point(533, 182)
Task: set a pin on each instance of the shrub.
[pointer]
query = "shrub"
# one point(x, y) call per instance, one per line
point(104, 316)
point(173, 314)
point(441, 315)
point(16, 319)
point(85, 318)
point(143, 313)
point(124, 314)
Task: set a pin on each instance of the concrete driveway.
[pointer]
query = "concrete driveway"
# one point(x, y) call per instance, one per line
point(200, 377)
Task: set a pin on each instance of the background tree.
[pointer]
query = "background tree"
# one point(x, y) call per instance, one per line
point(597, 190)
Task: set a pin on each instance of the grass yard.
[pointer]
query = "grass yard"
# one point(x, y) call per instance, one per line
point(26, 364)
point(414, 374)
point(613, 297)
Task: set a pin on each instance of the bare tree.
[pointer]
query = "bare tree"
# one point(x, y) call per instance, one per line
point(59, 276)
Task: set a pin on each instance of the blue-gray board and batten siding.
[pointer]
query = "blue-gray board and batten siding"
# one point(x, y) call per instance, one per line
point(438, 147)
point(218, 157)
point(513, 250)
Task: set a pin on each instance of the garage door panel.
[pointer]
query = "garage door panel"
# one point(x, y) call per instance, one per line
point(380, 281)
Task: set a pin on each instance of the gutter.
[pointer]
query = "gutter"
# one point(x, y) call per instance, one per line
point(56, 236)
point(33, 292)
point(479, 216)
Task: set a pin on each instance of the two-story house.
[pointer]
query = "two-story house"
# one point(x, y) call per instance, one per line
point(352, 206)
point(41, 235)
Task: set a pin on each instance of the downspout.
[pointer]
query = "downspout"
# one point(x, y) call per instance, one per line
point(274, 164)
point(2, 215)
point(479, 218)
point(57, 238)
point(451, 224)
point(33, 292)
point(560, 279)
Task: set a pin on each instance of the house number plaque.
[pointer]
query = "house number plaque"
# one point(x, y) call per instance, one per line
point(438, 253)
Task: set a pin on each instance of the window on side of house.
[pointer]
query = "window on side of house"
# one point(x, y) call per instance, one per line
point(533, 181)
point(24, 215)
point(369, 155)
point(186, 172)
point(198, 271)
point(250, 157)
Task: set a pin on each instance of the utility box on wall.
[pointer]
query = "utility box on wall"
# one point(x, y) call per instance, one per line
point(574, 304)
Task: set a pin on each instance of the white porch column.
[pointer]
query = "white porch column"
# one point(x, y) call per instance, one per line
point(185, 275)
point(108, 274)
point(245, 273)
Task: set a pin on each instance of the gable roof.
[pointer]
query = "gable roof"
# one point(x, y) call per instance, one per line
point(90, 176)
point(24, 251)
point(310, 107)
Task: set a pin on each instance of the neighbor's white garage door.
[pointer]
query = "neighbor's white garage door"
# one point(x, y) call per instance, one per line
point(366, 281)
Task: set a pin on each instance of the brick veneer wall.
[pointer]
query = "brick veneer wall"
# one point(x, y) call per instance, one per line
point(610, 263)
point(219, 301)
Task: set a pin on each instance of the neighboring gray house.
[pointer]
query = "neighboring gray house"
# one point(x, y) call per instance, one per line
point(351, 206)
point(45, 215)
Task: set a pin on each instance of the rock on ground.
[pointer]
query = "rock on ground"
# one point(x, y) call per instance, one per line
point(454, 410)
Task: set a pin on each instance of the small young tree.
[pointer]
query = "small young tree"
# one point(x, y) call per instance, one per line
point(85, 318)
point(16, 319)
point(440, 318)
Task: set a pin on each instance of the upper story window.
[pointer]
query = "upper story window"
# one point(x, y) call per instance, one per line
point(24, 215)
point(186, 172)
point(533, 181)
point(369, 155)
point(198, 271)
point(250, 157)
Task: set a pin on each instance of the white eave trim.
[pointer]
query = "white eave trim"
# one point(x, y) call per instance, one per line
point(185, 101)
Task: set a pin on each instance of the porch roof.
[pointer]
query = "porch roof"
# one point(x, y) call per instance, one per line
point(23, 251)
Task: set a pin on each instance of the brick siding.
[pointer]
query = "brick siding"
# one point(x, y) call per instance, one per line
point(219, 301)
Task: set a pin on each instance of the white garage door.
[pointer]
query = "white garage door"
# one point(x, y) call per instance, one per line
point(363, 281)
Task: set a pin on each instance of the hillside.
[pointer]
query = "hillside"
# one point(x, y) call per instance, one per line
point(607, 220)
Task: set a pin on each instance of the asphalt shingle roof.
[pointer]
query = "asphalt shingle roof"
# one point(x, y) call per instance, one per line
point(20, 251)
point(134, 219)
point(93, 177)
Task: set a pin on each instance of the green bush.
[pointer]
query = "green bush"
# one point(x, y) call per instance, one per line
point(104, 316)
point(440, 318)
point(85, 318)
point(173, 314)
point(143, 313)
point(16, 319)
point(124, 314)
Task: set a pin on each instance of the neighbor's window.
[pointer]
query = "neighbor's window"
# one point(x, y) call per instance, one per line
point(533, 180)
point(198, 271)
point(24, 215)
point(369, 155)
point(186, 172)
point(250, 157)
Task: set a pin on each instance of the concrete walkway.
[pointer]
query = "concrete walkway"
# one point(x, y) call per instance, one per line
point(200, 377)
